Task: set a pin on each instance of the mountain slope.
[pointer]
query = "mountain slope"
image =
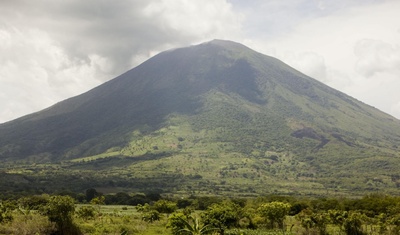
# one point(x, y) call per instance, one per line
point(220, 103)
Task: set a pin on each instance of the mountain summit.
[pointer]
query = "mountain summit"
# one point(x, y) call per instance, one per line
point(241, 113)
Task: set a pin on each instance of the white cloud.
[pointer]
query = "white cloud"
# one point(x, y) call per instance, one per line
point(353, 48)
point(309, 63)
point(52, 50)
point(375, 56)
point(35, 73)
point(210, 19)
point(395, 109)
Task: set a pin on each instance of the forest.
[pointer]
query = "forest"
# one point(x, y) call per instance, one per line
point(137, 213)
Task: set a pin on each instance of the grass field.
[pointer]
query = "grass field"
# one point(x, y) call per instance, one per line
point(117, 218)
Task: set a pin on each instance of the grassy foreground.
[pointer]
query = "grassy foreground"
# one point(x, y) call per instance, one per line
point(45, 214)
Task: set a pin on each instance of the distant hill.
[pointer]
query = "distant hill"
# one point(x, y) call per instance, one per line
point(216, 116)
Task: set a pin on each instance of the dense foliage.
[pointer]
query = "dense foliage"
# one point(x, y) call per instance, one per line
point(44, 214)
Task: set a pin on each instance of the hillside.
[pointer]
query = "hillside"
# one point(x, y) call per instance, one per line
point(212, 118)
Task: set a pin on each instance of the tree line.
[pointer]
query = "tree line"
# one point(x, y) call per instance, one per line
point(59, 214)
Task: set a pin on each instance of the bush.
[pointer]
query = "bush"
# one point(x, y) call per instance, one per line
point(6, 212)
point(349, 222)
point(86, 212)
point(34, 202)
point(176, 223)
point(223, 215)
point(314, 221)
point(33, 223)
point(164, 206)
point(60, 210)
point(275, 212)
point(151, 216)
point(352, 225)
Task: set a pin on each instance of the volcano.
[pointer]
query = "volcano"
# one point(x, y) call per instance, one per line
point(217, 114)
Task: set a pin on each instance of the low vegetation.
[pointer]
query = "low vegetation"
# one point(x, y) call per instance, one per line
point(45, 214)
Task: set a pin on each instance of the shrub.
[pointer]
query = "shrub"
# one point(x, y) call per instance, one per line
point(223, 215)
point(275, 212)
point(60, 210)
point(314, 221)
point(151, 216)
point(176, 223)
point(164, 206)
point(32, 223)
point(6, 212)
point(86, 212)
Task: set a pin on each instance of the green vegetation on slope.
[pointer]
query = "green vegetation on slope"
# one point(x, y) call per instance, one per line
point(217, 118)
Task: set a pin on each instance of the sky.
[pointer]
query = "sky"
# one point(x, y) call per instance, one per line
point(51, 50)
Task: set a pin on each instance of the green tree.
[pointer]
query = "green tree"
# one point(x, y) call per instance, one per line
point(34, 202)
point(175, 222)
point(91, 193)
point(6, 209)
point(394, 224)
point(60, 210)
point(143, 208)
point(314, 221)
point(151, 216)
point(165, 206)
point(349, 222)
point(98, 201)
point(381, 221)
point(86, 212)
point(275, 213)
point(352, 224)
point(223, 215)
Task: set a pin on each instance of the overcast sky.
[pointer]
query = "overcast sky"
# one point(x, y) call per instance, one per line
point(51, 50)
